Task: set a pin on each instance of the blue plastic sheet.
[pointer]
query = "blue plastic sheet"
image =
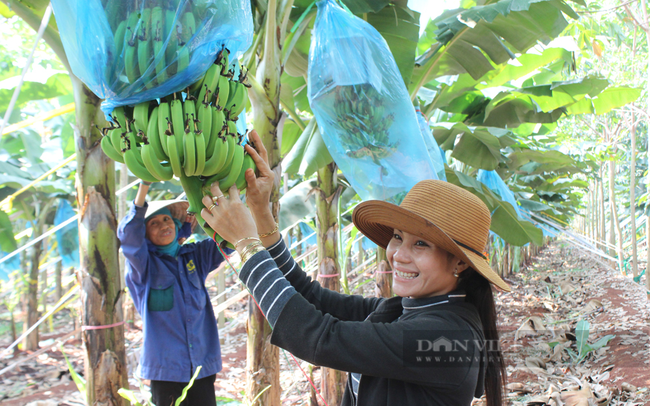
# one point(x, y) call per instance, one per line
point(130, 51)
point(436, 154)
point(8, 266)
point(67, 238)
point(493, 181)
point(362, 107)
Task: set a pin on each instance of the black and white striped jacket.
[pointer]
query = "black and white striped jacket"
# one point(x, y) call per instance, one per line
point(378, 341)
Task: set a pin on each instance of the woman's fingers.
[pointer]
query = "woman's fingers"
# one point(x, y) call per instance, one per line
point(254, 137)
point(261, 163)
point(233, 191)
point(214, 189)
point(207, 201)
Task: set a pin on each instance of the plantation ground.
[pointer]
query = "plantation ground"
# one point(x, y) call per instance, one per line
point(537, 323)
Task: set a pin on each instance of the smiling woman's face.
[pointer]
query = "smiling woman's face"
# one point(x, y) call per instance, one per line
point(161, 230)
point(420, 269)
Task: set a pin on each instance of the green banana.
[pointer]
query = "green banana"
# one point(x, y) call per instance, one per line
point(158, 27)
point(141, 118)
point(237, 99)
point(222, 60)
point(153, 135)
point(218, 121)
point(235, 169)
point(178, 125)
point(232, 128)
point(155, 168)
point(117, 134)
point(163, 116)
point(174, 157)
point(205, 122)
point(189, 27)
point(222, 92)
point(109, 150)
point(241, 180)
point(183, 59)
point(118, 38)
point(144, 44)
point(189, 164)
point(225, 168)
point(199, 139)
point(218, 157)
point(131, 36)
point(133, 160)
point(209, 83)
point(170, 31)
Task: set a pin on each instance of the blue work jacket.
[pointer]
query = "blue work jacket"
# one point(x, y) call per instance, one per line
point(179, 326)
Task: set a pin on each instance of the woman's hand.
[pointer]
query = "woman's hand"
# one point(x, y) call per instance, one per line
point(258, 191)
point(228, 216)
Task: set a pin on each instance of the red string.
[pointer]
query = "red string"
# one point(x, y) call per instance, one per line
point(260, 309)
point(85, 328)
point(214, 238)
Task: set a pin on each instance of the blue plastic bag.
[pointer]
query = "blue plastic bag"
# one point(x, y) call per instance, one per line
point(362, 107)
point(436, 154)
point(8, 266)
point(493, 181)
point(130, 51)
point(67, 238)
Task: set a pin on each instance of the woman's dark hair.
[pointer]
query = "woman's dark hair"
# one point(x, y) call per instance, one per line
point(479, 293)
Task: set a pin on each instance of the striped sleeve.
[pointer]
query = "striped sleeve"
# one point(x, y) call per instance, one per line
point(282, 257)
point(267, 285)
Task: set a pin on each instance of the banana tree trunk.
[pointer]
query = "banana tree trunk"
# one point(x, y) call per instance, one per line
point(383, 275)
point(30, 343)
point(614, 214)
point(99, 272)
point(327, 197)
point(262, 358)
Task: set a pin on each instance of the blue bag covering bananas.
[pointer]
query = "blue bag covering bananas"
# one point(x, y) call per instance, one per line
point(131, 51)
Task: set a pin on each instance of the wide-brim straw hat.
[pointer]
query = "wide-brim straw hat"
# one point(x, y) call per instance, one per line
point(159, 204)
point(446, 215)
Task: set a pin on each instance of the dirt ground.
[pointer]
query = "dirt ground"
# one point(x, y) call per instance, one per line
point(537, 323)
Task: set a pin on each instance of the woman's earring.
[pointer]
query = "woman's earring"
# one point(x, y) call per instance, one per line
point(456, 273)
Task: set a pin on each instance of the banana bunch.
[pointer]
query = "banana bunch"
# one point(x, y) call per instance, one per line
point(194, 139)
point(361, 117)
point(140, 36)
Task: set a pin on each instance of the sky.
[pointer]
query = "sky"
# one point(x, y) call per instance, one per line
point(431, 9)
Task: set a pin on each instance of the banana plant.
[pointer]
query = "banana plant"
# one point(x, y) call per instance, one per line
point(95, 192)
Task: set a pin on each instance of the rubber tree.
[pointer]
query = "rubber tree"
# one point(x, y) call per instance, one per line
point(99, 276)
point(327, 195)
point(644, 24)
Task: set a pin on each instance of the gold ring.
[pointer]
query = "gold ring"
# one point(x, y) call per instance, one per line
point(212, 207)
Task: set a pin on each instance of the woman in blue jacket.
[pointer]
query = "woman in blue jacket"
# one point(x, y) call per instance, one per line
point(167, 283)
point(435, 343)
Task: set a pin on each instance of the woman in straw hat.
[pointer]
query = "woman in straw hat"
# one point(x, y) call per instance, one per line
point(166, 280)
point(436, 343)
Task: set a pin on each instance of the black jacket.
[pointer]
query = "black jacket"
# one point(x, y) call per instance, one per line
point(381, 339)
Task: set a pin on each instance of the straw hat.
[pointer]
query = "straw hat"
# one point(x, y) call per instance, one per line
point(159, 204)
point(447, 215)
